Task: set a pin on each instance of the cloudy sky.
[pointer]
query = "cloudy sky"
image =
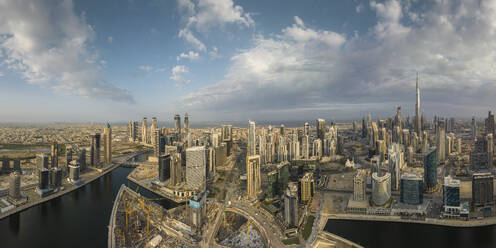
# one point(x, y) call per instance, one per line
point(119, 60)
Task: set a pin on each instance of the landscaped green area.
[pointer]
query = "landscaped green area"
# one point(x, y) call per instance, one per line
point(307, 228)
point(269, 206)
point(291, 241)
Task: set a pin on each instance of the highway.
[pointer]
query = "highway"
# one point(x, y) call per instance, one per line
point(263, 222)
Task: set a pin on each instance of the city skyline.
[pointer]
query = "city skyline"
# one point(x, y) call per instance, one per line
point(238, 60)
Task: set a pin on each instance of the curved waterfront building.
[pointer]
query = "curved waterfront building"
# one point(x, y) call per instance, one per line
point(74, 172)
point(411, 189)
point(381, 188)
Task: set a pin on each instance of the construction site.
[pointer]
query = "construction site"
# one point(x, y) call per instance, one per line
point(237, 231)
point(137, 221)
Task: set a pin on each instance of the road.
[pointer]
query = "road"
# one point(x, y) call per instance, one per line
point(264, 223)
point(213, 227)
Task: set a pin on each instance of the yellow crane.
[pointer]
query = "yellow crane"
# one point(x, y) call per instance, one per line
point(129, 213)
point(147, 210)
point(248, 231)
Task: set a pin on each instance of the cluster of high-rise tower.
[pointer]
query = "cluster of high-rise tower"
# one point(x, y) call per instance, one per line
point(186, 158)
point(396, 143)
point(50, 171)
point(276, 145)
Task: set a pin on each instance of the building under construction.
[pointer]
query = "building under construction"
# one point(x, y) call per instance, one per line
point(137, 221)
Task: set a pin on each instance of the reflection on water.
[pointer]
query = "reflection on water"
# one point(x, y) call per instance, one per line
point(77, 219)
point(394, 234)
point(107, 179)
point(75, 195)
point(14, 223)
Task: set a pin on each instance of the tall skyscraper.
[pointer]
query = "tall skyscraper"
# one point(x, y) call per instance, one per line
point(195, 167)
point(398, 118)
point(43, 178)
point(82, 159)
point(321, 128)
point(42, 161)
point(418, 121)
point(159, 143)
point(490, 150)
point(54, 154)
point(451, 197)
point(144, 130)
point(306, 129)
point(74, 171)
point(307, 187)
point(482, 189)
point(227, 137)
point(164, 167)
point(15, 185)
point(291, 204)
point(490, 123)
point(251, 139)
point(305, 147)
point(95, 150)
point(411, 189)
point(186, 122)
point(107, 137)
point(176, 170)
point(210, 153)
point(132, 129)
point(360, 186)
point(17, 165)
point(281, 129)
point(273, 185)
point(430, 168)
point(441, 141)
point(481, 153)
point(395, 155)
point(177, 123)
point(254, 179)
point(381, 188)
point(474, 128)
point(68, 155)
point(152, 130)
point(5, 164)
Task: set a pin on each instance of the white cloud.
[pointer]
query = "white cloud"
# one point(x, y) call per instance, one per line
point(214, 53)
point(186, 6)
point(300, 69)
point(192, 40)
point(1, 74)
point(202, 15)
point(299, 33)
point(178, 74)
point(48, 43)
point(389, 15)
point(145, 68)
point(191, 55)
point(149, 68)
point(110, 39)
point(212, 13)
